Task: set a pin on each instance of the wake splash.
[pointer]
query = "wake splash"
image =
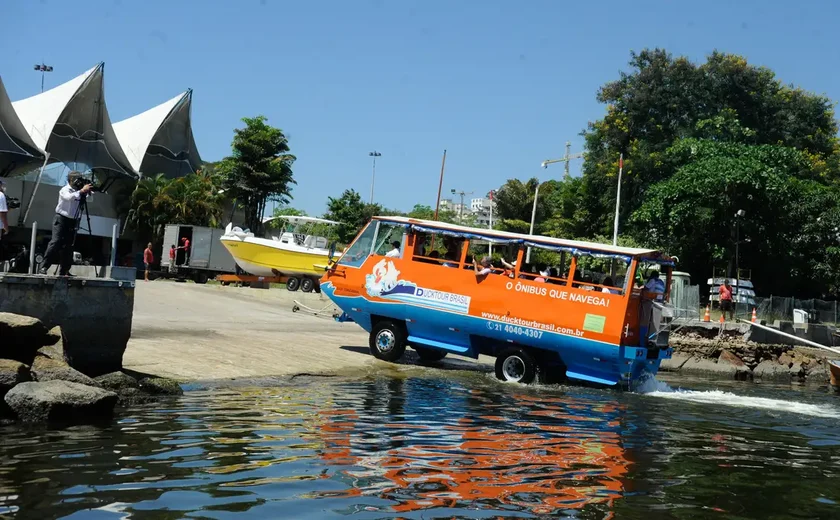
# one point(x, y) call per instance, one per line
point(654, 388)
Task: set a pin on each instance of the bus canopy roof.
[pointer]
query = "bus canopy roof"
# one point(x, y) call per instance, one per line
point(503, 237)
point(300, 219)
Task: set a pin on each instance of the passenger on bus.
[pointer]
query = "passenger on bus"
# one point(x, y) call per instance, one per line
point(510, 267)
point(435, 256)
point(609, 286)
point(542, 270)
point(656, 286)
point(451, 259)
point(395, 252)
point(483, 268)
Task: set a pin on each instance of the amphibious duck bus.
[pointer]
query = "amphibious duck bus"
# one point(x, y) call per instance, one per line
point(544, 307)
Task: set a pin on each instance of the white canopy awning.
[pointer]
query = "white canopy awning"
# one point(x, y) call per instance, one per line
point(18, 152)
point(71, 123)
point(160, 140)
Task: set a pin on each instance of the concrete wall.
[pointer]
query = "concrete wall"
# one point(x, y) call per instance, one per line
point(94, 314)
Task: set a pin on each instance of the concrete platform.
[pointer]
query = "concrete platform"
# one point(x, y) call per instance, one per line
point(95, 314)
point(202, 332)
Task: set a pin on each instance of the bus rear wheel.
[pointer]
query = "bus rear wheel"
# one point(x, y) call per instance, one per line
point(387, 341)
point(430, 354)
point(516, 366)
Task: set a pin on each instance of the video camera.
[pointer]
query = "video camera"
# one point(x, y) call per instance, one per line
point(12, 202)
point(81, 181)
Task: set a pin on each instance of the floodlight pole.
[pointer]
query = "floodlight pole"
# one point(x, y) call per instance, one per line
point(373, 154)
point(43, 69)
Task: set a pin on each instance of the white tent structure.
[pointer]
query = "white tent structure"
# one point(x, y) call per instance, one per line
point(70, 122)
point(160, 140)
point(18, 152)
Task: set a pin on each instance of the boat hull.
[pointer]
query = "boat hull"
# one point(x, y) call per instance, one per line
point(834, 373)
point(261, 257)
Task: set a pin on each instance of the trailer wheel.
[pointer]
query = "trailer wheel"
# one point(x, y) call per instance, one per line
point(430, 354)
point(200, 278)
point(306, 284)
point(517, 366)
point(292, 284)
point(387, 341)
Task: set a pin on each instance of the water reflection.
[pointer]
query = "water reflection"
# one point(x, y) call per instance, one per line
point(423, 447)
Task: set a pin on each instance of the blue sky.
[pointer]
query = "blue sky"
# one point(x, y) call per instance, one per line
point(500, 85)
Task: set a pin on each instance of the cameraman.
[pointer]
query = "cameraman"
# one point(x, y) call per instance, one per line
point(65, 223)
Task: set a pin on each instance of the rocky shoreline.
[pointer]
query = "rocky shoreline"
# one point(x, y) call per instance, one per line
point(37, 384)
point(728, 355)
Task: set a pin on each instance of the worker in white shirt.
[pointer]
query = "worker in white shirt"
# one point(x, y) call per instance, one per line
point(395, 252)
point(65, 223)
point(4, 211)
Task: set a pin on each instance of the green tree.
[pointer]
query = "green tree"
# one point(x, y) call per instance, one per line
point(785, 235)
point(663, 99)
point(351, 212)
point(424, 212)
point(258, 170)
point(283, 211)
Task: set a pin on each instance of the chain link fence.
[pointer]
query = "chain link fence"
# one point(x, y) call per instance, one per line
point(781, 308)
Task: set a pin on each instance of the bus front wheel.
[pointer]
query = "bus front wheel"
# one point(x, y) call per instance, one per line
point(387, 341)
point(516, 366)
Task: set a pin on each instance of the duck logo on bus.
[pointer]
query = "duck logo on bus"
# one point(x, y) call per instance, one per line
point(589, 312)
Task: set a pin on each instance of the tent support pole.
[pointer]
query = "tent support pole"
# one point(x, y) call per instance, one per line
point(35, 190)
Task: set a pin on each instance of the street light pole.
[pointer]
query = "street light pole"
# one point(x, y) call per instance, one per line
point(373, 154)
point(738, 216)
point(461, 207)
point(533, 217)
point(43, 69)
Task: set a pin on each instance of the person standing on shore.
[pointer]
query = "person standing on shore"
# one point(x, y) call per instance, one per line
point(172, 252)
point(148, 259)
point(725, 292)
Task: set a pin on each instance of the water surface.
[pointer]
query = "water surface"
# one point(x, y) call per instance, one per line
point(428, 444)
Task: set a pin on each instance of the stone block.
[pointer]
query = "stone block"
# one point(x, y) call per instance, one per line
point(160, 386)
point(116, 381)
point(678, 359)
point(771, 370)
point(59, 401)
point(12, 373)
point(46, 369)
point(21, 335)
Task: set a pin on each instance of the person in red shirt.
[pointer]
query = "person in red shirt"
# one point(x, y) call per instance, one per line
point(172, 252)
point(725, 292)
point(186, 247)
point(148, 259)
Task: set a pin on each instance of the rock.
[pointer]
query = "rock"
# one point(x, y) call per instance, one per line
point(160, 386)
point(116, 381)
point(772, 371)
point(707, 366)
point(796, 370)
point(786, 359)
point(129, 396)
point(727, 358)
point(54, 350)
point(678, 359)
point(817, 373)
point(46, 369)
point(59, 401)
point(11, 373)
point(22, 337)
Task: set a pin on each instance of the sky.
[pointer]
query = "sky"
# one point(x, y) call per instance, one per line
point(500, 85)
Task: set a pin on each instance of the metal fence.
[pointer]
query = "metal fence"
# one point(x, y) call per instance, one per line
point(686, 302)
point(780, 308)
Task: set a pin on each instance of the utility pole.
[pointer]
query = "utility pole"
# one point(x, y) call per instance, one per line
point(373, 154)
point(565, 159)
point(440, 185)
point(461, 207)
point(43, 69)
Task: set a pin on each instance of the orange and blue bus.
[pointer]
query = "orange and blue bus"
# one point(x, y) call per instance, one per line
point(544, 307)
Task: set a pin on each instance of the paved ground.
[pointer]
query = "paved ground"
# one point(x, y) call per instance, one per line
point(200, 332)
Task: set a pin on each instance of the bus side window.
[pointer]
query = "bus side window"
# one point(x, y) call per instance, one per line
point(361, 248)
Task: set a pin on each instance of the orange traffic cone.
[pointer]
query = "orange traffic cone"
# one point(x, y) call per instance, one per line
point(721, 317)
point(708, 316)
point(754, 317)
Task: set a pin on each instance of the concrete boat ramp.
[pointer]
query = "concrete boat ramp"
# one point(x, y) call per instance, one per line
point(209, 332)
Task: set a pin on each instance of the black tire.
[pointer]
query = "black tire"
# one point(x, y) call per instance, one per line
point(200, 278)
point(225, 284)
point(516, 366)
point(430, 354)
point(292, 284)
point(306, 285)
point(387, 341)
